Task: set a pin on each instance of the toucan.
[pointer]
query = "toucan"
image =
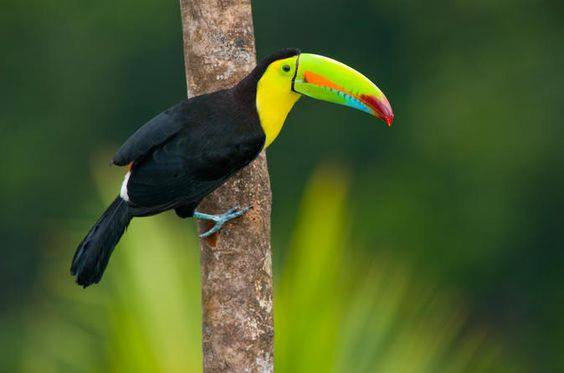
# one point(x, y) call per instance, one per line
point(190, 149)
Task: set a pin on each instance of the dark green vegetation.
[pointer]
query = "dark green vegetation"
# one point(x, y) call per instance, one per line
point(463, 196)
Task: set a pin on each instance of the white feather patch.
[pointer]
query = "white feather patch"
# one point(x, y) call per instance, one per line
point(123, 191)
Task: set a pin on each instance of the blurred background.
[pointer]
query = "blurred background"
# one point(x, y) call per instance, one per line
point(433, 246)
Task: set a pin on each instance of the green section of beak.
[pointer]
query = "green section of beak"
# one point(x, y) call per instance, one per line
point(325, 79)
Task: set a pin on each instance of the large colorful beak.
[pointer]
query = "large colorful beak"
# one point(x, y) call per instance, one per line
point(328, 80)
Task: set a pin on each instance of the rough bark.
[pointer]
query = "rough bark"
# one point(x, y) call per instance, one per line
point(236, 264)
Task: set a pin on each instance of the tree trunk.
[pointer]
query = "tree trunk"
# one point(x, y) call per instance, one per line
point(236, 264)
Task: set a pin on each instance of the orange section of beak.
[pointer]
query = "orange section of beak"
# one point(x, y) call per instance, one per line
point(313, 78)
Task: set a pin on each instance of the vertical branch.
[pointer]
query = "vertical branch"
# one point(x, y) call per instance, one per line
point(236, 264)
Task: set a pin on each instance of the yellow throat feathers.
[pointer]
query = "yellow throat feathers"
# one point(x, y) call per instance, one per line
point(275, 99)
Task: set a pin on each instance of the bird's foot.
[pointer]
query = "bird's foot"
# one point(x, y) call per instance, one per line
point(220, 219)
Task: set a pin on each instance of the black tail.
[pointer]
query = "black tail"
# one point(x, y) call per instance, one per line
point(93, 253)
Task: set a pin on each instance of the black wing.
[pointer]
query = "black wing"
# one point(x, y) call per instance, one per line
point(216, 140)
point(155, 132)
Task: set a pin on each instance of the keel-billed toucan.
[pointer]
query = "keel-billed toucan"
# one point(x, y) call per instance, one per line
point(187, 151)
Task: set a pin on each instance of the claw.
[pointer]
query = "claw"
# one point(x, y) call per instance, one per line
point(220, 219)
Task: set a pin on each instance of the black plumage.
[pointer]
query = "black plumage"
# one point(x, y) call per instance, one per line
point(218, 135)
point(93, 253)
point(176, 159)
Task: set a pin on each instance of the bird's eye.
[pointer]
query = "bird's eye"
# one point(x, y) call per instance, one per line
point(286, 68)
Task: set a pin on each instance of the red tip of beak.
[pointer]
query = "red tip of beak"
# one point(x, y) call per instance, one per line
point(382, 108)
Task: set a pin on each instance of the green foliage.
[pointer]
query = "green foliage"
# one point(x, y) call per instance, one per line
point(336, 310)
